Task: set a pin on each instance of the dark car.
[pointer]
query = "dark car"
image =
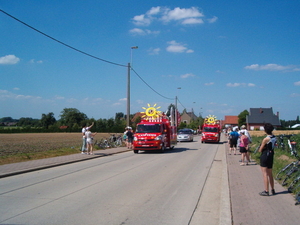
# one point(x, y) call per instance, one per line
point(185, 135)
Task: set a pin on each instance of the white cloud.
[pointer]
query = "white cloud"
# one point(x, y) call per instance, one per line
point(212, 20)
point(154, 51)
point(141, 20)
point(240, 84)
point(272, 67)
point(178, 48)
point(297, 83)
point(209, 84)
point(192, 21)
point(182, 15)
point(34, 61)
point(154, 10)
point(9, 59)
point(187, 75)
point(138, 31)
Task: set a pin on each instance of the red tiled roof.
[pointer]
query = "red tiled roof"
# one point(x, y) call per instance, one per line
point(231, 120)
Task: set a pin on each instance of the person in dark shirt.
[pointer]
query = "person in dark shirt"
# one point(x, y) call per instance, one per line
point(129, 138)
point(266, 159)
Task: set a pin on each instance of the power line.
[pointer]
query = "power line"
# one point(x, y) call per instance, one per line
point(95, 57)
point(150, 86)
point(180, 103)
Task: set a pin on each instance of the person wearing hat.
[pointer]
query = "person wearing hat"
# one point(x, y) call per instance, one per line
point(84, 127)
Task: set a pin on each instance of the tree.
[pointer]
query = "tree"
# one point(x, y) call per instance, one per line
point(28, 122)
point(242, 118)
point(72, 116)
point(48, 120)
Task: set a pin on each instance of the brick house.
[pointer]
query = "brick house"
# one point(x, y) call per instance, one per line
point(187, 117)
point(259, 116)
point(230, 121)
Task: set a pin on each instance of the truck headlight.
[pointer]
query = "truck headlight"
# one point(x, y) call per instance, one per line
point(158, 138)
point(135, 138)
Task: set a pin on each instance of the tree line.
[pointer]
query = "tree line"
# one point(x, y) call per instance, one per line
point(72, 120)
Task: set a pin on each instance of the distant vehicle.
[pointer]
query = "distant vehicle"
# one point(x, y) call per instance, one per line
point(185, 135)
point(295, 126)
point(211, 130)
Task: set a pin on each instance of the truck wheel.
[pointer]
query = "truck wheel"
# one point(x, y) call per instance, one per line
point(136, 151)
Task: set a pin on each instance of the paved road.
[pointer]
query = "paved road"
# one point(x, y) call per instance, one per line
point(147, 188)
point(229, 196)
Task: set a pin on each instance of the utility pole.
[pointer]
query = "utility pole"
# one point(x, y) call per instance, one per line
point(128, 95)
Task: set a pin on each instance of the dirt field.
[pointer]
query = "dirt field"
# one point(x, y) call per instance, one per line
point(41, 141)
point(276, 132)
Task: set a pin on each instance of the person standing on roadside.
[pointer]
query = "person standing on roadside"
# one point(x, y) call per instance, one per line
point(84, 128)
point(244, 141)
point(243, 128)
point(129, 138)
point(266, 159)
point(125, 136)
point(89, 140)
point(233, 138)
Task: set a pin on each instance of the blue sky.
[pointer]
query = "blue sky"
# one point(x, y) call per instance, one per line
point(226, 56)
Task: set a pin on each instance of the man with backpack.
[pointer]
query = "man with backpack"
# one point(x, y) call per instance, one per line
point(233, 138)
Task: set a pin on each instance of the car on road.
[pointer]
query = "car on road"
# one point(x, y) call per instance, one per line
point(185, 135)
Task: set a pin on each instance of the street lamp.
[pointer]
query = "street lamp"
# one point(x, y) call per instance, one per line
point(133, 47)
point(128, 86)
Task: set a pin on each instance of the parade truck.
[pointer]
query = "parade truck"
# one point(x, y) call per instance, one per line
point(211, 130)
point(155, 132)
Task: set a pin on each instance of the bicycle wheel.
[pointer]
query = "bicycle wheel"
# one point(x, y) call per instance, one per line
point(297, 197)
point(283, 171)
point(293, 184)
point(256, 150)
point(294, 171)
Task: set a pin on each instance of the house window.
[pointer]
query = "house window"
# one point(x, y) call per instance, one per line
point(185, 121)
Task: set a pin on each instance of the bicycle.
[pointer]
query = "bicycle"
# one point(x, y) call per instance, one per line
point(292, 187)
point(291, 168)
point(291, 143)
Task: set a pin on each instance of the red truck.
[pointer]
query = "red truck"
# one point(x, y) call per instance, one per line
point(211, 130)
point(154, 133)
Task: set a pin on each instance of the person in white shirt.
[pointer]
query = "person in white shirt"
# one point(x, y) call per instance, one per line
point(84, 128)
point(89, 140)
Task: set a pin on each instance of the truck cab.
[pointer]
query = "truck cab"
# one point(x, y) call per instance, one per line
point(211, 130)
point(154, 134)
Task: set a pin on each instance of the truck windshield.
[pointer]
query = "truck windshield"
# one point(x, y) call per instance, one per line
point(210, 129)
point(148, 128)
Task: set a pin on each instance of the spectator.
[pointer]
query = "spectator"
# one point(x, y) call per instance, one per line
point(244, 141)
point(243, 128)
point(84, 128)
point(129, 138)
point(266, 159)
point(89, 140)
point(233, 138)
